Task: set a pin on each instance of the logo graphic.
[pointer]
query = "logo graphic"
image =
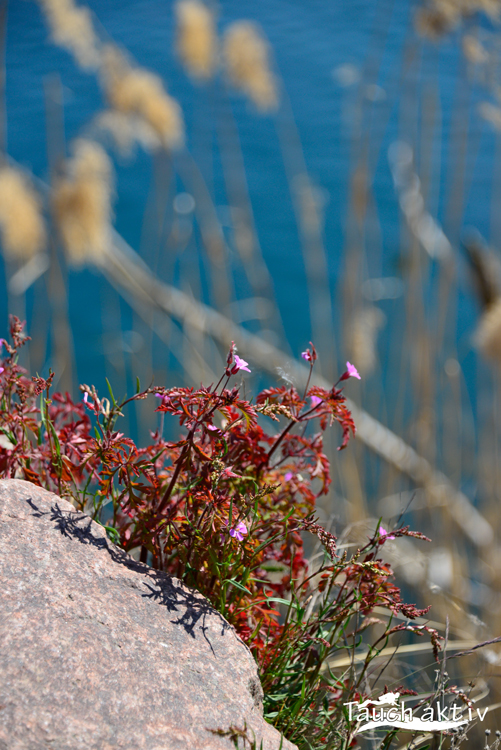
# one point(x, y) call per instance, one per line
point(388, 711)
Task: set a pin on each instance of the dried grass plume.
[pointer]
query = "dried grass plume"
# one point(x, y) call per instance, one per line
point(196, 38)
point(124, 132)
point(439, 17)
point(246, 56)
point(135, 91)
point(82, 204)
point(72, 28)
point(21, 220)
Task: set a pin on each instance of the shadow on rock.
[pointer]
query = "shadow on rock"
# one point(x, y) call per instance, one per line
point(162, 588)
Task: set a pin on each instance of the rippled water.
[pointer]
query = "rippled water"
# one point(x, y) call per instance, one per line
point(322, 51)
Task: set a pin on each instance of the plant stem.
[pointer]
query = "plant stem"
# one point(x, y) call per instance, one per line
point(177, 470)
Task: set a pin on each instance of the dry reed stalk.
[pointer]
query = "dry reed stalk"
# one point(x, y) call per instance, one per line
point(474, 50)
point(309, 202)
point(491, 113)
point(135, 91)
point(21, 219)
point(82, 204)
point(488, 335)
point(196, 38)
point(362, 341)
point(246, 57)
point(62, 349)
point(72, 28)
point(245, 236)
point(3, 114)
point(210, 228)
point(112, 327)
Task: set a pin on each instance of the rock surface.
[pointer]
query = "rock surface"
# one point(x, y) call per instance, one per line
point(100, 652)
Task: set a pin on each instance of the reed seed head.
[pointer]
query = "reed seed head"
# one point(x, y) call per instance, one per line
point(439, 17)
point(72, 28)
point(135, 91)
point(21, 221)
point(82, 204)
point(246, 56)
point(196, 38)
point(125, 131)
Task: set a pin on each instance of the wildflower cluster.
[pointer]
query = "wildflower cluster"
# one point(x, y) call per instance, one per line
point(224, 508)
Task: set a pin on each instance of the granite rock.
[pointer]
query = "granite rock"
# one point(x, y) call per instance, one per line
point(98, 651)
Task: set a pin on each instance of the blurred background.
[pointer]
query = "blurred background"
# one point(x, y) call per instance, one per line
point(178, 175)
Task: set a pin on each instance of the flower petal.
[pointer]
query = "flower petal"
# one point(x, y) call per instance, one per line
point(352, 371)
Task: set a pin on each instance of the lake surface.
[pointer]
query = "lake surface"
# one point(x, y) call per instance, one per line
point(327, 54)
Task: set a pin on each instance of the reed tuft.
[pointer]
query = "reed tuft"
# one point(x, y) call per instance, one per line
point(21, 220)
point(82, 204)
point(72, 28)
point(196, 38)
point(135, 91)
point(246, 56)
point(125, 131)
point(439, 17)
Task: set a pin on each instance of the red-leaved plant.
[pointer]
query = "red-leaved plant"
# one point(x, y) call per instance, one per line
point(225, 509)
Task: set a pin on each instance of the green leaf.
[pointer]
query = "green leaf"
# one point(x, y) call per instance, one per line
point(287, 602)
point(267, 542)
point(138, 385)
point(56, 439)
point(9, 435)
point(111, 393)
point(213, 559)
point(237, 584)
point(113, 534)
point(42, 409)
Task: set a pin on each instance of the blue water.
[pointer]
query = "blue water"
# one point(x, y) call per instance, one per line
point(311, 39)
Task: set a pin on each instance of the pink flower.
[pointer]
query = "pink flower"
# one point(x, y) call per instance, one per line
point(384, 533)
point(212, 428)
point(288, 476)
point(310, 355)
point(316, 400)
point(240, 364)
point(165, 399)
point(352, 371)
point(239, 531)
point(86, 397)
point(2, 369)
point(227, 473)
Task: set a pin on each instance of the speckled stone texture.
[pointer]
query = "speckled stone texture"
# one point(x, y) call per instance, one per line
point(100, 652)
